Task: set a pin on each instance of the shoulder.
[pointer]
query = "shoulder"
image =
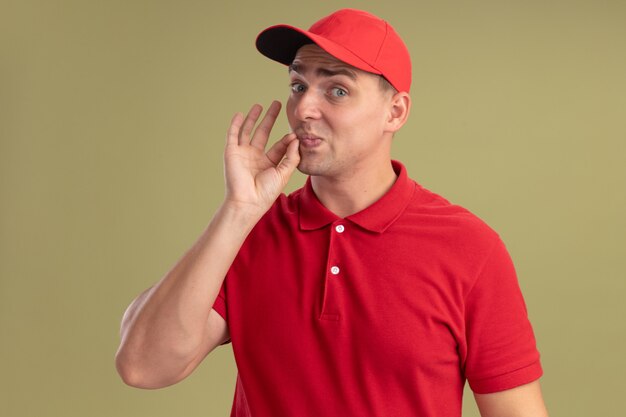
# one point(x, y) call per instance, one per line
point(459, 241)
point(453, 223)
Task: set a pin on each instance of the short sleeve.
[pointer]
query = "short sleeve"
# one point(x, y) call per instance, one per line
point(501, 346)
point(220, 305)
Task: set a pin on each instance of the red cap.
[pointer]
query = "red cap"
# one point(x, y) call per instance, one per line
point(353, 36)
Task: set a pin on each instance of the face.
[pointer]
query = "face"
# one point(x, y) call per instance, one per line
point(338, 113)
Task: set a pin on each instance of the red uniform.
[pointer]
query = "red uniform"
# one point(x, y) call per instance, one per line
point(386, 312)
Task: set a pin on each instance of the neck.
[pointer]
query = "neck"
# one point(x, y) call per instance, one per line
point(354, 192)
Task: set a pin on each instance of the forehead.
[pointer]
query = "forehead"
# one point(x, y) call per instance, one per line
point(312, 56)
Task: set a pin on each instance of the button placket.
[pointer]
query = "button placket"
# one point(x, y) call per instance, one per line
point(330, 307)
point(340, 228)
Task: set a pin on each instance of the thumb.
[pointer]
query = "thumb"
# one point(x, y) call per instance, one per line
point(287, 166)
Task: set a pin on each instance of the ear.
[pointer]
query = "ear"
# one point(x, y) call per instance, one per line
point(399, 108)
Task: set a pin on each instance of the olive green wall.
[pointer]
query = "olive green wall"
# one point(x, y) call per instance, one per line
point(112, 118)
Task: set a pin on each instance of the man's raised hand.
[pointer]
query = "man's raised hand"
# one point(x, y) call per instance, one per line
point(254, 177)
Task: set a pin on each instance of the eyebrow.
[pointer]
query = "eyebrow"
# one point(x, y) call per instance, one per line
point(324, 72)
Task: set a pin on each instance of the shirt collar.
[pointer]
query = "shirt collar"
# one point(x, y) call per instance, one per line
point(376, 218)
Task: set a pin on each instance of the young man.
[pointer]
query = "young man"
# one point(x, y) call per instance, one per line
point(360, 294)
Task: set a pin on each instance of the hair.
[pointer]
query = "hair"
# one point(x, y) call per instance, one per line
point(385, 85)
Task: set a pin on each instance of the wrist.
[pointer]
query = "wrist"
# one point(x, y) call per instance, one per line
point(244, 215)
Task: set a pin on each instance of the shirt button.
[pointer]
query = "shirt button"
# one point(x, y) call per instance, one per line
point(340, 228)
point(334, 270)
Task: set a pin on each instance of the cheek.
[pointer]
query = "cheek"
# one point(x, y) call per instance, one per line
point(364, 121)
point(289, 111)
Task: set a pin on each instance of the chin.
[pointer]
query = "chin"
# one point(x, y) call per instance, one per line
point(320, 164)
point(303, 168)
point(310, 168)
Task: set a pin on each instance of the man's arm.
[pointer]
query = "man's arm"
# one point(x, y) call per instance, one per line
point(169, 328)
point(523, 401)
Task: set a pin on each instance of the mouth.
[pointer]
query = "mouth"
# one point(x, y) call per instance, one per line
point(308, 140)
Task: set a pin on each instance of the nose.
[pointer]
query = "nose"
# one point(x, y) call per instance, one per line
point(306, 105)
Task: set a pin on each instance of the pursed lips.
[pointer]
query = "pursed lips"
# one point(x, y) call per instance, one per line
point(308, 140)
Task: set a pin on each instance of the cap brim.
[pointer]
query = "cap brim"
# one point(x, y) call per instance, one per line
point(281, 43)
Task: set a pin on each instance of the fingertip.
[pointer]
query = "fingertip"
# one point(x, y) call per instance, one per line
point(275, 107)
point(293, 146)
point(235, 123)
point(256, 109)
point(291, 160)
point(289, 137)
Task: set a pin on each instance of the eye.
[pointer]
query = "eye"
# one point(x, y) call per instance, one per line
point(297, 87)
point(338, 92)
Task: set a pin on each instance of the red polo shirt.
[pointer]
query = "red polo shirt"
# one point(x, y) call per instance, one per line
point(383, 313)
